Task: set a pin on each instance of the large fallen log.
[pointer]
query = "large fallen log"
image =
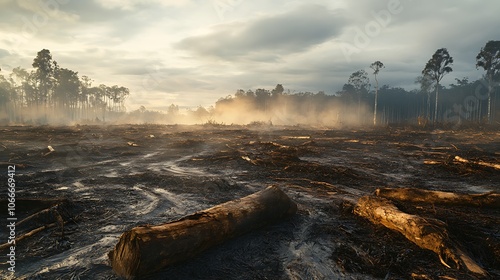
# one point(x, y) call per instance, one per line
point(438, 197)
point(147, 249)
point(427, 233)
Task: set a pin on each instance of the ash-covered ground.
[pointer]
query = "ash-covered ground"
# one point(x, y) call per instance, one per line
point(107, 179)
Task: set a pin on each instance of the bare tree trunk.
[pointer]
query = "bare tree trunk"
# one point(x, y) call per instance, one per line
point(146, 249)
point(436, 108)
point(376, 101)
point(428, 112)
point(490, 90)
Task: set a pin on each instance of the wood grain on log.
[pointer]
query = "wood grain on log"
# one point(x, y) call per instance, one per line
point(427, 233)
point(147, 249)
point(438, 197)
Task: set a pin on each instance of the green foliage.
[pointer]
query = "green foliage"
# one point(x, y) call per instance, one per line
point(489, 59)
point(376, 66)
point(43, 75)
point(360, 81)
point(439, 65)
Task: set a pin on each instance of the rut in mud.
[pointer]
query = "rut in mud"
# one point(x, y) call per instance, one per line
point(118, 177)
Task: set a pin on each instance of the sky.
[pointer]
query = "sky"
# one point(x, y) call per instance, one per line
point(193, 52)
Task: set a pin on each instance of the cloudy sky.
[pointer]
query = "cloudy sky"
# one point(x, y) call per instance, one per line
point(192, 52)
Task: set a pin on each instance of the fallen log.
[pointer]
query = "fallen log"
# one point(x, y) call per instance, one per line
point(147, 249)
point(489, 199)
point(482, 163)
point(427, 233)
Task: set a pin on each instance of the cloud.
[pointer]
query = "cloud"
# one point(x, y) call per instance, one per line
point(276, 35)
point(4, 53)
point(194, 53)
point(133, 4)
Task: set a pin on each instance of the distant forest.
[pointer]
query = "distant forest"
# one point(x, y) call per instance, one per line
point(49, 91)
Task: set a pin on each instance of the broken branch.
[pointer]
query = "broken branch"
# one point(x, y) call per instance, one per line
point(28, 234)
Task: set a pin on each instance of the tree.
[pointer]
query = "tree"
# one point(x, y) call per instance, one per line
point(102, 97)
point(376, 66)
point(425, 83)
point(262, 96)
point(360, 82)
point(67, 88)
point(250, 93)
point(20, 79)
point(438, 66)
point(85, 86)
point(44, 73)
point(201, 113)
point(239, 93)
point(117, 95)
point(489, 59)
point(278, 90)
point(173, 110)
point(460, 82)
point(5, 93)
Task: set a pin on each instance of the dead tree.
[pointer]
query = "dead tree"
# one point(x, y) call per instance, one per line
point(147, 249)
point(427, 233)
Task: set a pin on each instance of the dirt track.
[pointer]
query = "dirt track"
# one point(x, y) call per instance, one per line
point(117, 177)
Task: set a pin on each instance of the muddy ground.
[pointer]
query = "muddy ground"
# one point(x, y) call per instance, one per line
point(108, 179)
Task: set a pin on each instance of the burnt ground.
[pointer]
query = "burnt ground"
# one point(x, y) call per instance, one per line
point(105, 180)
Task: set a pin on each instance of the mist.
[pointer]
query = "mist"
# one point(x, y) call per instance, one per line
point(302, 109)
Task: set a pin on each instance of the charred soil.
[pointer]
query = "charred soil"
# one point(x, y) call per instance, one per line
point(95, 182)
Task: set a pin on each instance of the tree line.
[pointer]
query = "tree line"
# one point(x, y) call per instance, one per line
point(461, 102)
point(51, 91)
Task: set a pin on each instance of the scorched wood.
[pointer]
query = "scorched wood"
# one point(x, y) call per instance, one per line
point(147, 249)
point(438, 197)
point(427, 233)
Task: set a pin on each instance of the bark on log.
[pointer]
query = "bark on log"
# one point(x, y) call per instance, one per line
point(427, 233)
point(146, 249)
point(438, 197)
